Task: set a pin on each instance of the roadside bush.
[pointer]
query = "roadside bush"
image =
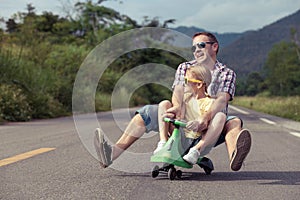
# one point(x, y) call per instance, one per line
point(65, 61)
point(102, 102)
point(45, 106)
point(28, 90)
point(13, 104)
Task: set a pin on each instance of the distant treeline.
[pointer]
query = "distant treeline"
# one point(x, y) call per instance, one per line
point(280, 75)
point(40, 55)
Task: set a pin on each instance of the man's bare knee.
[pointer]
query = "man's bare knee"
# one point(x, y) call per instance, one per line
point(137, 120)
point(232, 124)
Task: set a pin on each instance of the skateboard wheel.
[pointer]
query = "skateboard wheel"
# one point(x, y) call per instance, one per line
point(155, 171)
point(207, 170)
point(179, 173)
point(172, 173)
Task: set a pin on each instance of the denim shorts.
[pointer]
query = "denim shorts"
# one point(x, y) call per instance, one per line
point(149, 114)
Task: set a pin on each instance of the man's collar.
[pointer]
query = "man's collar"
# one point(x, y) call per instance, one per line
point(219, 65)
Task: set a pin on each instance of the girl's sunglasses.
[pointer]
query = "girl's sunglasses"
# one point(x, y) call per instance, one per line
point(187, 80)
point(200, 45)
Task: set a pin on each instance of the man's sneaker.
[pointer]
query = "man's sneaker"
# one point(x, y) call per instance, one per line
point(243, 145)
point(103, 149)
point(160, 145)
point(192, 156)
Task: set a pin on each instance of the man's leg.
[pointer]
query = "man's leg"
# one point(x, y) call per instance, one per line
point(238, 142)
point(135, 129)
point(145, 120)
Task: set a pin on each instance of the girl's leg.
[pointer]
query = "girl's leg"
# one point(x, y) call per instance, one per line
point(208, 140)
point(163, 126)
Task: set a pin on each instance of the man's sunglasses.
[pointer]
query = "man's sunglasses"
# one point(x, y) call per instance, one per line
point(200, 45)
point(187, 80)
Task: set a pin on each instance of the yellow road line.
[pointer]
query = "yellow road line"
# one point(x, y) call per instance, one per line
point(23, 156)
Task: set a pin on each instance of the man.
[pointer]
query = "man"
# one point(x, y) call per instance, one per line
point(238, 140)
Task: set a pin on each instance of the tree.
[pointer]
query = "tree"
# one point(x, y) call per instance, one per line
point(253, 83)
point(296, 40)
point(283, 70)
point(154, 22)
point(46, 21)
point(30, 9)
point(11, 26)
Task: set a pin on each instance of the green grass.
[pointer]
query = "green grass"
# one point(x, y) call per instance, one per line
point(286, 107)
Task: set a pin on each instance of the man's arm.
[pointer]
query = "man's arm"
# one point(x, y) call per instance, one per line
point(218, 105)
point(178, 92)
point(177, 99)
point(225, 93)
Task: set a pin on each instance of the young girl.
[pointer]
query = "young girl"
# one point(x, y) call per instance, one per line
point(196, 103)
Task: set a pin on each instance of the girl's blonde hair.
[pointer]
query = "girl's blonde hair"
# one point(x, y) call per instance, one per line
point(201, 73)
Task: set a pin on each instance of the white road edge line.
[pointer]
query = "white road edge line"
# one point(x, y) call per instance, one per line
point(295, 134)
point(238, 110)
point(267, 121)
point(273, 123)
point(262, 119)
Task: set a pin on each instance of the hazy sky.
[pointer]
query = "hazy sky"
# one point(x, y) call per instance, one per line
point(214, 15)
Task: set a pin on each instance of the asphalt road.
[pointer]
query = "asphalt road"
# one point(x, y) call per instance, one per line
point(69, 169)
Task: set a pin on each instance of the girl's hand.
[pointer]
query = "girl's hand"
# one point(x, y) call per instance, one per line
point(193, 125)
point(173, 112)
point(198, 125)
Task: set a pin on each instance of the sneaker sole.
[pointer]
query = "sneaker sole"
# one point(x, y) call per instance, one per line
point(241, 151)
point(98, 143)
point(188, 161)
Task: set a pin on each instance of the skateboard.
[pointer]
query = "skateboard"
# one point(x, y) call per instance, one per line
point(171, 155)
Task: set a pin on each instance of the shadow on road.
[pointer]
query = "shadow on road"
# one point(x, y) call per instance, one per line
point(263, 177)
point(270, 177)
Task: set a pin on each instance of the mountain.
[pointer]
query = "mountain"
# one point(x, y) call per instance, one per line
point(249, 52)
point(224, 39)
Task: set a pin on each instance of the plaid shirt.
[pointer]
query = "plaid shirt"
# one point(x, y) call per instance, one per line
point(223, 79)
